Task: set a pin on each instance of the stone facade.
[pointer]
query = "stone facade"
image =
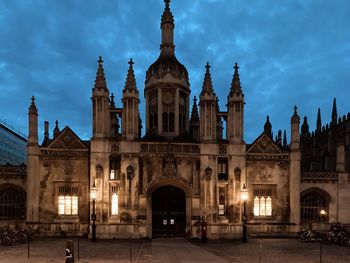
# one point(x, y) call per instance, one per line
point(183, 171)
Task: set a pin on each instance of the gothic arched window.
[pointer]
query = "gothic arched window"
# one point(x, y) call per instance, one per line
point(12, 203)
point(312, 202)
point(168, 112)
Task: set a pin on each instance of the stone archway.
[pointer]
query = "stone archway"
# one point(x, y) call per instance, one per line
point(168, 212)
point(12, 202)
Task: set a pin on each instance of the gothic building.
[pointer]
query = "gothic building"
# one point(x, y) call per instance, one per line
point(184, 169)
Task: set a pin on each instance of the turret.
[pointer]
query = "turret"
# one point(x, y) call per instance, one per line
point(33, 167)
point(130, 118)
point(295, 137)
point(33, 123)
point(235, 104)
point(207, 109)
point(46, 130)
point(56, 131)
point(294, 169)
point(167, 87)
point(268, 127)
point(100, 104)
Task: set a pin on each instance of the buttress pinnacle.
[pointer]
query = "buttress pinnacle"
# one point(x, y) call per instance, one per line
point(100, 81)
point(236, 82)
point(130, 82)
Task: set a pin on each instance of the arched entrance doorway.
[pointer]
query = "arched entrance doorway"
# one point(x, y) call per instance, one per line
point(168, 212)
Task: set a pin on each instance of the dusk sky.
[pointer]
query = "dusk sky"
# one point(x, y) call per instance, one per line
point(289, 52)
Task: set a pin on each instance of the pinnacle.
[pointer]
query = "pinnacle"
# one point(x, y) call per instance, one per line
point(236, 83)
point(167, 16)
point(130, 82)
point(295, 117)
point(334, 111)
point(100, 81)
point(194, 113)
point(207, 83)
point(33, 100)
point(32, 107)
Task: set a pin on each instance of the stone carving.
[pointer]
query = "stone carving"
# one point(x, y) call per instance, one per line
point(67, 140)
point(166, 148)
point(125, 217)
point(67, 170)
point(264, 145)
point(99, 171)
point(319, 177)
point(265, 174)
point(207, 173)
point(169, 167)
point(114, 147)
point(130, 172)
point(222, 149)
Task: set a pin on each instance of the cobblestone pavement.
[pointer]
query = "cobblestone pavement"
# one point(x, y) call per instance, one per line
point(176, 250)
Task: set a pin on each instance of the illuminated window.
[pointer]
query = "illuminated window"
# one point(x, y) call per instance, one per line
point(115, 204)
point(222, 205)
point(112, 175)
point(67, 205)
point(262, 202)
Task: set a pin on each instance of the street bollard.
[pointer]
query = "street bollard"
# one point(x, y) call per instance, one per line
point(69, 251)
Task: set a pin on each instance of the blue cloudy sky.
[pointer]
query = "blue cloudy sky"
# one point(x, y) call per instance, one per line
point(289, 52)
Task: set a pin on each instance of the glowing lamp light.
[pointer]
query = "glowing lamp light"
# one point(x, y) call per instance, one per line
point(93, 192)
point(323, 212)
point(244, 193)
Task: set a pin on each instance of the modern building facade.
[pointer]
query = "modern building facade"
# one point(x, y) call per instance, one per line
point(13, 157)
point(184, 170)
point(13, 146)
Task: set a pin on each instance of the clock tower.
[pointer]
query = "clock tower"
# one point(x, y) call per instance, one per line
point(167, 88)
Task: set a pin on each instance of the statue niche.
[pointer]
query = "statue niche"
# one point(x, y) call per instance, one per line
point(169, 167)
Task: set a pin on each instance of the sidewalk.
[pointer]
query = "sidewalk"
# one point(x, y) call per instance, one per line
point(176, 251)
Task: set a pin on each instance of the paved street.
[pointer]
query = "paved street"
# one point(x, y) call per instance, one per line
point(176, 250)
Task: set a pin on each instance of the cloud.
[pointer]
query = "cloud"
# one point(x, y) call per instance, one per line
point(295, 52)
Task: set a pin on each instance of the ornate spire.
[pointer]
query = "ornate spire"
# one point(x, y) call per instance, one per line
point(194, 113)
point(130, 82)
point(32, 107)
point(334, 112)
point(319, 122)
point(56, 131)
point(167, 25)
point(100, 81)
point(295, 117)
point(236, 83)
point(268, 127)
point(207, 83)
point(167, 16)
